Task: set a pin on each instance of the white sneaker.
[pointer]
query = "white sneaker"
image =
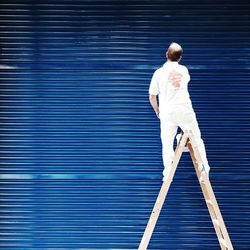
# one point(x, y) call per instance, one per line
point(204, 168)
point(204, 171)
point(207, 168)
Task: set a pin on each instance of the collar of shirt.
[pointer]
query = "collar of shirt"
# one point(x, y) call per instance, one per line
point(168, 63)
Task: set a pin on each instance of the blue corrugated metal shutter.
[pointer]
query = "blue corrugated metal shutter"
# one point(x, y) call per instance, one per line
point(80, 148)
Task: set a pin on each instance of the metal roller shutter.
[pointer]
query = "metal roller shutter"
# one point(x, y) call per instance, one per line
point(80, 149)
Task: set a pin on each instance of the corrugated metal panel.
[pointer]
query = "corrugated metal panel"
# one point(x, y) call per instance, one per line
point(80, 149)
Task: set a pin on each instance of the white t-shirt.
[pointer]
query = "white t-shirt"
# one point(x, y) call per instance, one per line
point(170, 82)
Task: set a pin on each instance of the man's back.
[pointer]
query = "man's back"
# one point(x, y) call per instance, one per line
point(170, 82)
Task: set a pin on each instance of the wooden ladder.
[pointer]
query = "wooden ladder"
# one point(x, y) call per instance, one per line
point(187, 140)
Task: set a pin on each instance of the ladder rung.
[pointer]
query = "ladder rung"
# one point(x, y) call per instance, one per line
point(209, 202)
point(202, 178)
point(223, 242)
point(215, 221)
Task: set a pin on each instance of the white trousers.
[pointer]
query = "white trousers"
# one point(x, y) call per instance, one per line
point(185, 118)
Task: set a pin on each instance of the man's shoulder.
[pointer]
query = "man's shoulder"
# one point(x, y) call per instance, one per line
point(159, 70)
point(182, 67)
point(162, 69)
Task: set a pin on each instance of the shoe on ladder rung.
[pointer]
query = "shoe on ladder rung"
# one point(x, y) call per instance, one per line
point(204, 172)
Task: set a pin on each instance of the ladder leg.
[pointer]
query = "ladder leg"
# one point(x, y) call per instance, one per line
point(162, 196)
point(215, 213)
point(211, 201)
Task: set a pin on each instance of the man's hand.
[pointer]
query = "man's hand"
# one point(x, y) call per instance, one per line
point(154, 104)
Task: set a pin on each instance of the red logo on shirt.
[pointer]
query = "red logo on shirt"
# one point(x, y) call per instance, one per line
point(174, 78)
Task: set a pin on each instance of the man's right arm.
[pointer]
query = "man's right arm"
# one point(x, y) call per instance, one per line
point(153, 93)
point(154, 104)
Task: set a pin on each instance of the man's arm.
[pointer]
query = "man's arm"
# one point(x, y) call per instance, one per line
point(154, 104)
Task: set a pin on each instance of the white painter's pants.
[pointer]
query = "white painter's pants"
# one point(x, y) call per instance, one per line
point(185, 118)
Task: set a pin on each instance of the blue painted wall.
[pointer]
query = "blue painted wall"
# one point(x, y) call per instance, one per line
point(80, 148)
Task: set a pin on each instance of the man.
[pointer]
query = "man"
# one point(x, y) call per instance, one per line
point(170, 84)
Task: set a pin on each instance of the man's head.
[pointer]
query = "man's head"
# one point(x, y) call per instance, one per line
point(174, 52)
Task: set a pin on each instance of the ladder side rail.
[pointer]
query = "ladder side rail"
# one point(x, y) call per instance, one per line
point(209, 195)
point(208, 189)
point(162, 196)
point(210, 209)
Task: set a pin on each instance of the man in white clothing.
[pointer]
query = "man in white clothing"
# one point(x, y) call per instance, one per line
point(170, 84)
